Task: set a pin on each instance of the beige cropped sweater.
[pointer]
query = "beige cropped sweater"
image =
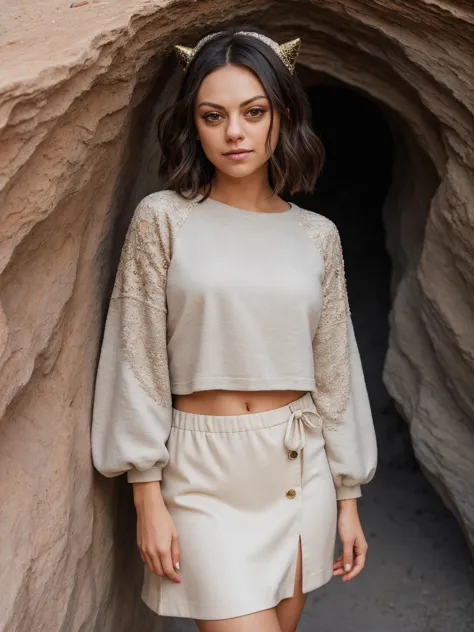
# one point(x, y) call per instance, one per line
point(210, 296)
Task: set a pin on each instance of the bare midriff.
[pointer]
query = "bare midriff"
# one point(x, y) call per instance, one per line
point(223, 402)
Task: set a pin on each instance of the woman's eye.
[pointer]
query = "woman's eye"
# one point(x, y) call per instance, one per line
point(256, 112)
point(208, 117)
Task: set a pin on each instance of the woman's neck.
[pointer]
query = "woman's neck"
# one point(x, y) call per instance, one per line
point(243, 193)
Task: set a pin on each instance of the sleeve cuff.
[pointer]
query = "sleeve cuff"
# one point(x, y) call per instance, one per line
point(147, 476)
point(344, 491)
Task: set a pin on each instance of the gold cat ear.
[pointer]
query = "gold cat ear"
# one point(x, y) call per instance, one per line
point(289, 52)
point(184, 55)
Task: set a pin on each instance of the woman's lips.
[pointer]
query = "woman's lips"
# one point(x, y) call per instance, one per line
point(239, 156)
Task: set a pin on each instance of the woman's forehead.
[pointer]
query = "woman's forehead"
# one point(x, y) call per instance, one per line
point(230, 85)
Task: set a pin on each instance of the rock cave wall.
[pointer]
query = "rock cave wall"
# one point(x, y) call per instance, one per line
point(79, 92)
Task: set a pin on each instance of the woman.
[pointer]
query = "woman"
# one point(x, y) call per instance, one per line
point(229, 385)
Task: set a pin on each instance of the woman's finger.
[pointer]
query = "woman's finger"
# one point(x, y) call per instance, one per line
point(358, 566)
point(168, 569)
point(153, 563)
point(348, 554)
point(175, 555)
point(339, 571)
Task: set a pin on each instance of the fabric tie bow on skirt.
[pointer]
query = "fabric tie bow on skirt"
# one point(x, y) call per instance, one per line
point(295, 432)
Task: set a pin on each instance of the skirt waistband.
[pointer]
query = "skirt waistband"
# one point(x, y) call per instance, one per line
point(296, 414)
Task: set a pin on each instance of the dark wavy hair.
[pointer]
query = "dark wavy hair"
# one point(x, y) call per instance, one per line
point(299, 154)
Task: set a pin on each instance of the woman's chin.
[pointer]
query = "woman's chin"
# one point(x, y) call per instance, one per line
point(238, 170)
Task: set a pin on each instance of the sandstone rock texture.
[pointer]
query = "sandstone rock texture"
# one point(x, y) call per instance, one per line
point(79, 91)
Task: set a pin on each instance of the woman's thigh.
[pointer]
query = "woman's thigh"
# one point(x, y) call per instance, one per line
point(262, 621)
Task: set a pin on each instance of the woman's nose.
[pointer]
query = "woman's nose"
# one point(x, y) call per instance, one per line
point(234, 128)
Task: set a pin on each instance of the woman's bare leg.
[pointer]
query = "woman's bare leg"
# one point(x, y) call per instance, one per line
point(262, 621)
point(289, 610)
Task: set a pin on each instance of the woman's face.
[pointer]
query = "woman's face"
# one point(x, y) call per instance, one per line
point(232, 112)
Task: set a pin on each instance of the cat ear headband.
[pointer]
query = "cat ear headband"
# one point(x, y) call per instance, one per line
point(287, 52)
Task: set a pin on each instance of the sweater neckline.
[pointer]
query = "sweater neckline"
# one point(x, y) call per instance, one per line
point(245, 210)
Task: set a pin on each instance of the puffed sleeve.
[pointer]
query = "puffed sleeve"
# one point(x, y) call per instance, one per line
point(132, 406)
point(341, 395)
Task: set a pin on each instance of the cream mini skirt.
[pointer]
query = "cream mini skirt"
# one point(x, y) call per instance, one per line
point(241, 489)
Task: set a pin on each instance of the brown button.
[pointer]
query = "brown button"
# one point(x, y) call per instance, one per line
point(292, 454)
point(291, 493)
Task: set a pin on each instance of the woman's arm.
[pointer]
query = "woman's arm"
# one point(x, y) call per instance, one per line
point(342, 400)
point(132, 410)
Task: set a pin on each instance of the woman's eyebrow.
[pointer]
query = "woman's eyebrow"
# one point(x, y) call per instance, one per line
point(221, 107)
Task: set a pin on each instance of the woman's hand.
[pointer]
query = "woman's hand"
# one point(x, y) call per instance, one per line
point(157, 537)
point(353, 541)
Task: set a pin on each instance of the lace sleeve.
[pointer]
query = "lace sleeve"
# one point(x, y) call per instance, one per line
point(331, 341)
point(139, 295)
point(341, 395)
